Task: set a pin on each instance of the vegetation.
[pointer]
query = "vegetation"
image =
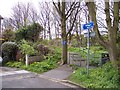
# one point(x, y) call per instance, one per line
point(66, 18)
point(26, 48)
point(30, 32)
point(8, 35)
point(50, 62)
point(110, 43)
point(101, 77)
point(9, 50)
point(95, 53)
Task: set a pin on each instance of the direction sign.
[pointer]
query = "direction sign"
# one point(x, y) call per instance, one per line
point(88, 25)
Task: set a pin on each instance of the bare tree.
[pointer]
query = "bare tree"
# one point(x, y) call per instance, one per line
point(7, 23)
point(33, 14)
point(23, 15)
point(56, 22)
point(45, 18)
point(64, 15)
point(111, 25)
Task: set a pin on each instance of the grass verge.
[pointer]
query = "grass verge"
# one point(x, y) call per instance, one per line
point(100, 77)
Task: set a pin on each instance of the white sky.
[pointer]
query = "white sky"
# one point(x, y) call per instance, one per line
point(6, 5)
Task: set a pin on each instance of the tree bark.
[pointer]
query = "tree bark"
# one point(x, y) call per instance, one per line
point(64, 36)
point(111, 44)
point(60, 8)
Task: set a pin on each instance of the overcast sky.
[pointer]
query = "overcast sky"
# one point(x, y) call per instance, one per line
point(6, 5)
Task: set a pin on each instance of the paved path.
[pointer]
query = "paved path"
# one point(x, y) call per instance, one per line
point(60, 73)
point(14, 78)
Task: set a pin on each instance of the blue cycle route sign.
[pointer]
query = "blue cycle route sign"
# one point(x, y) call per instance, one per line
point(88, 25)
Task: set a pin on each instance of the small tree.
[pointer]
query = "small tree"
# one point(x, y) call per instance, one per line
point(26, 49)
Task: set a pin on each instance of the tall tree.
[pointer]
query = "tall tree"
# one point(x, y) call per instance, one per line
point(64, 15)
point(23, 15)
point(112, 26)
point(45, 18)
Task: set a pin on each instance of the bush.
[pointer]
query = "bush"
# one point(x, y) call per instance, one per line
point(43, 49)
point(8, 35)
point(26, 48)
point(31, 32)
point(9, 51)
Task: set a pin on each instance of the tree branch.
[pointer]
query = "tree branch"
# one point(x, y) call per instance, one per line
point(74, 20)
point(58, 8)
point(71, 10)
point(92, 12)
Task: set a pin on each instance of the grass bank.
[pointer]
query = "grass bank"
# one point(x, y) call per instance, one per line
point(101, 77)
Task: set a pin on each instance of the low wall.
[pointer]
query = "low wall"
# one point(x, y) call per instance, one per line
point(32, 59)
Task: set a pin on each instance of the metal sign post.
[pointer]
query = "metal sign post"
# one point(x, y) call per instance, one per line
point(88, 26)
point(88, 52)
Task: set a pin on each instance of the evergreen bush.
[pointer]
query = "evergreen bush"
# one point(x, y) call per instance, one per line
point(9, 51)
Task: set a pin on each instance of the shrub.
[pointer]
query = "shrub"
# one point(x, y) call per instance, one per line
point(9, 50)
point(43, 49)
point(26, 48)
point(30, 32)
point(8, 35)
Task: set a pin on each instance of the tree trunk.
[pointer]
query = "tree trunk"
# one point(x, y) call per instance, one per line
point(78, 38)
point(69, 38)
point(64, 36)
point(49, 30)
point(111, 44)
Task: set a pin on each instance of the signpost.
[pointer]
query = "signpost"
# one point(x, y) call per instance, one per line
point(92, 34)
point(88, 26)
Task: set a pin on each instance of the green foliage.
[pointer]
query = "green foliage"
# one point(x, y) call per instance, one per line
point(38, 67)
point(30, 32)
point(50, 62)
point(33, 31)
point(9, 50)
point(15, 64)
point(101, 77)
point(8, 35)
point(26, 48)
point(21, 34)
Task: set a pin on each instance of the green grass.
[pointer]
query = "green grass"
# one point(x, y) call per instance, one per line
point(37, 67)
point(100, 77)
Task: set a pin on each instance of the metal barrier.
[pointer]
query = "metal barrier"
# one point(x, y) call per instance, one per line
point(76, 59)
